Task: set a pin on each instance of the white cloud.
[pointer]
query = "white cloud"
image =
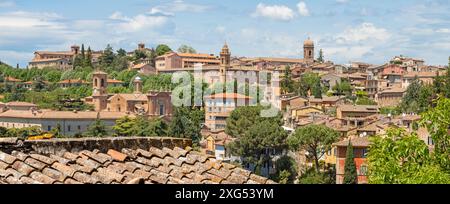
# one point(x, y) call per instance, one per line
point(302, 9)
point(443, 30)
point(138, 22)
point(178, 6)
point(276, 12)
point(221, 29)
point(361, 33)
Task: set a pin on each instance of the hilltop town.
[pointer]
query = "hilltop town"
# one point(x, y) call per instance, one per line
point(335, 123)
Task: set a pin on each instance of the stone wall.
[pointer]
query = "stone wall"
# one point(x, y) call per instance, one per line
point(59, 146)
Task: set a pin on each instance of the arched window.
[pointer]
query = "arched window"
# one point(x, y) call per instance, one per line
point(102, 83)
point(95, 82)
point(310, 53)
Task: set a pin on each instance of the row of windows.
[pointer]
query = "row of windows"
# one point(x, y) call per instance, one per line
point(69, 128)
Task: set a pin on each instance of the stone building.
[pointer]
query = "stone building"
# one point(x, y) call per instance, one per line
point(62, 60)
point(152, 104)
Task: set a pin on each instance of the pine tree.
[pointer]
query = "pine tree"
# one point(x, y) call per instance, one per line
point(317, 90)
point(350, 175)
point(320, 58)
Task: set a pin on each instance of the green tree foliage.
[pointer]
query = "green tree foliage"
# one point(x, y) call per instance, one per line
point(320, 58)
point(315, 139)
point(362, 98)
point(350, 173)
point(56, 131)
point(317, 90)
point(402, 158)
point(417, 99)
point(121, 52)
point(310, 82)
point(343, 89)
point(437, 121)
point(124, 126)
point(97, 129)
point(108, 56)
point(446, 82)
point(140, 126)
point(186, 49)
point(313, 177)
point(187, 123)
point(255, 135)
point(22, 133)
point(286, 170)
point(287, 84)
point(162, 49)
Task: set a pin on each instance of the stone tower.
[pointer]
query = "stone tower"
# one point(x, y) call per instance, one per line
point(137, 85)
point(141, 46)
point(225, 60)
point(75, 49)
point(308, 50)
point(99, 85)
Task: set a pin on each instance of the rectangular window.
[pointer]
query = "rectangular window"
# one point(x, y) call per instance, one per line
point(430, 141)
point(363, 170)
point(68, 128)
point(49, 128)
point(161, 109)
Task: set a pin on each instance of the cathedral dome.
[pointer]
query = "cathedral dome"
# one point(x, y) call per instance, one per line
point(308, 43)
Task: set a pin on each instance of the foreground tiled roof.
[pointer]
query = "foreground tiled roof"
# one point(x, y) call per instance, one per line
point(127, 166)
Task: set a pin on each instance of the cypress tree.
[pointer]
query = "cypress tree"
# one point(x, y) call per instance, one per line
point(88, 59)
point(350, 175)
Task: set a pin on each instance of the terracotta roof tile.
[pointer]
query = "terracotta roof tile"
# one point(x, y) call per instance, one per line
point(38, 176)
point(117, 156)
point(44, 159)
point(3, 165)
point(54, 174)
point(7, 158)
point(35, 164)
point(125, 166)
point(64, 169)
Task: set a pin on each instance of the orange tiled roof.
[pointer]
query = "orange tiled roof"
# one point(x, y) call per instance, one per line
point(152, 165)
point(47, 60)
point(12, 79)
point(73, 81)
point(114, 81)
point(356, 142)
point(20, 103)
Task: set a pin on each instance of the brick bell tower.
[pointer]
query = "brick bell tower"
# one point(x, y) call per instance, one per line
point(308, 50)
point(99, 95)
point(225, 60)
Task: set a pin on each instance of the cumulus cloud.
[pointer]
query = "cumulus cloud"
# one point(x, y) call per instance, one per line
point(443, 30)
point(364, 32)
point(302, 9)
point(276, 12)
point(138, 22)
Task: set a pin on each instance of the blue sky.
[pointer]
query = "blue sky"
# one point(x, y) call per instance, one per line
point(347, 30)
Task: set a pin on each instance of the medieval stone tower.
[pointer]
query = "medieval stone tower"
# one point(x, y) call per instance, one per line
point(225, 60)
point(99, 95)
point(308, 50)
